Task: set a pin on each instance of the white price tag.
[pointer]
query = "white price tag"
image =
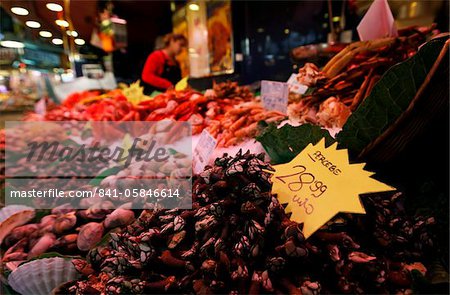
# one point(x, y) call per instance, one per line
point(274, 95)
point(295, 86)
point(203, 151)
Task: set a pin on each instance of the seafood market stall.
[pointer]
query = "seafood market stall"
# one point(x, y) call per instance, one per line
point(332, 182)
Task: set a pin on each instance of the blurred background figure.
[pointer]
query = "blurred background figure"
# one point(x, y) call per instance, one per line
point(161, 70)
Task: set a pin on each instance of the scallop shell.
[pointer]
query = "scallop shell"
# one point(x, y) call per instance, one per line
point(41, 276)
point(12, 217)
point(10, 210)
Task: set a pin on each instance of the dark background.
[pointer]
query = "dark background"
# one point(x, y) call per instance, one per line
point(260, 24)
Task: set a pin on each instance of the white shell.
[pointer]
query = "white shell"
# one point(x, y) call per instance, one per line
point(10, 210)
point(41, 276)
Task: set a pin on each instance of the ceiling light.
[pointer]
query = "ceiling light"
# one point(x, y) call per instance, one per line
point(72, 33)
point(45, 34)
point(194, 7)
point(54, 7)
point(57, 41)
point(19, 10)
point(80, 41)
point(12, 44)
point(33, 24)
point(62, 23)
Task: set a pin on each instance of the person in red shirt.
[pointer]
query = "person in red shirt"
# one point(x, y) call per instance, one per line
point(161, 70)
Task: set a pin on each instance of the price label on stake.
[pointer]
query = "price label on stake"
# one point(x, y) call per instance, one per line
point(274, 95)
point(203, 151)
point(319, 183)
point(295, 86)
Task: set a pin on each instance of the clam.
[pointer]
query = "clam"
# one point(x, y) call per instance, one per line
point(42, 245)
point(89, 235)
point(47, 222)
point(12, 217)
point(16, 252)
point(67, 243)
point(20, 232)
point(64, 222)
point(119, 217)
point(41, 276)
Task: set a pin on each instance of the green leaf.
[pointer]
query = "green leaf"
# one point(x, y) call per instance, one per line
point(309, 91)
point(41, 213)
point(389, 98)
point(283, 144)
point(106, 238)
point(155, 93)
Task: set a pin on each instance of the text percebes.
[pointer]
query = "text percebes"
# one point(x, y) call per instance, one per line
point(317, 156)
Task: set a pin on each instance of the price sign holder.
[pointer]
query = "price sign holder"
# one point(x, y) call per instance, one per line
point(295, 86)
point(319, 183)
point(274, 95)
point(203, 151)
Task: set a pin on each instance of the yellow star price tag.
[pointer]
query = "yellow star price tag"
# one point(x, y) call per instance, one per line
point(319, 183)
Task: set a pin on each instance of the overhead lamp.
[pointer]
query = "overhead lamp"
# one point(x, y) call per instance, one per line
point(33, 24)
point(54, 7)
point(19, 10)
point(79, 41)
point(72, 33)
point(62, 23)
point(45, 34)
point(12, 44)
point(57, 41)
point(194, 7)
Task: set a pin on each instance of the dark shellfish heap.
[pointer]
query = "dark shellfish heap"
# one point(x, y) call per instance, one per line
point(237, 239)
